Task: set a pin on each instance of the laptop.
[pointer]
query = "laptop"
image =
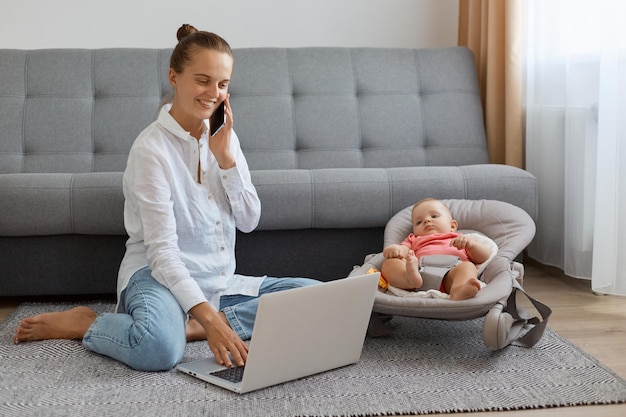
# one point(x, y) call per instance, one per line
point(297, 333)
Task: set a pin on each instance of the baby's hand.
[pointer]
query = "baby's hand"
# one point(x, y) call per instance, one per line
point(476, 251)
point(462, 242)
point(393, 251)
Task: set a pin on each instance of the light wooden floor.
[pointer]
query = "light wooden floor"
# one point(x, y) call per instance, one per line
point(595, 323)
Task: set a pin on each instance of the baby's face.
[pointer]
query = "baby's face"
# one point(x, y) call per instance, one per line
point(432, 217)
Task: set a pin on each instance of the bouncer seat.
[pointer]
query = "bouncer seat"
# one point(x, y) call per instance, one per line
point(511, 229)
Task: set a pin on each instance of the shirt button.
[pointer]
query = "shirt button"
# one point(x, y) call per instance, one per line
point(224, 177)
point(222, 248)
point(217, 223)
point(222, 273)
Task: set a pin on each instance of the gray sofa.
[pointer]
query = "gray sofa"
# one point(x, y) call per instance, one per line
point(338, 140)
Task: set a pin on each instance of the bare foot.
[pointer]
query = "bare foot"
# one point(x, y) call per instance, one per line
point(465, 291)
point(71, 324)
point(194, 330)
point(413, 276)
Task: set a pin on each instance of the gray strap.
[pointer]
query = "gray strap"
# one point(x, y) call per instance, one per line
point(533, 326)
point(506, 323)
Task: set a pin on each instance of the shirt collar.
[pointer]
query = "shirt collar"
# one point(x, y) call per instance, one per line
point(166, 120)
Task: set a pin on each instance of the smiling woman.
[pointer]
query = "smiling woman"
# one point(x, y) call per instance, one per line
point(186, 194)
point(200, 69)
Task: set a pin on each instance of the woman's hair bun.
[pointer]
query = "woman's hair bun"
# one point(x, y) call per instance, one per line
point(184, 31)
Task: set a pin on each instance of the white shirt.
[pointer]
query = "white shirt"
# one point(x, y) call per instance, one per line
point(184, 230)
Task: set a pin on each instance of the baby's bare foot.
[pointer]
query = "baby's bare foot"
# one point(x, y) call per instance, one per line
point(465, 291)
point(71, 324)
point(413, 276)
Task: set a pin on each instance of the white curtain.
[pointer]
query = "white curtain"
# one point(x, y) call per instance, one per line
point(575, 136)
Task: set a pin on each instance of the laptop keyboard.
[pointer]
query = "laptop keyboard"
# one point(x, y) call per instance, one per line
point(234, 374)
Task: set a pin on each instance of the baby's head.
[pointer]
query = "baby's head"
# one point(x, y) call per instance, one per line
point(431, 216)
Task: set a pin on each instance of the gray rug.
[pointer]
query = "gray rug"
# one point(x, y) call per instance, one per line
point(423, 367)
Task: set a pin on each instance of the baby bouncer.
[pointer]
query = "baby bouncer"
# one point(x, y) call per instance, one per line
point(502, 226)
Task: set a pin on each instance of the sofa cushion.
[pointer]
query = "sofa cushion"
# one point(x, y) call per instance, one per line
point(339, 198)
point(369, 197)
point(59, 204)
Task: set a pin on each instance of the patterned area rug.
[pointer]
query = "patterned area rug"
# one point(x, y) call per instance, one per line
point(423, 367)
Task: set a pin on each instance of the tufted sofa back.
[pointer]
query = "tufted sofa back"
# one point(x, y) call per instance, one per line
point(74, 111)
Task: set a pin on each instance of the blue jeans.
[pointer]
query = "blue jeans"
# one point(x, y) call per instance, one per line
point(150, 335)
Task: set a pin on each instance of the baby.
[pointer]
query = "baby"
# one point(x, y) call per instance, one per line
point(434, 233)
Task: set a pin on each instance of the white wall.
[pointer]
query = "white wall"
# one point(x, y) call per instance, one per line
point(33, 24)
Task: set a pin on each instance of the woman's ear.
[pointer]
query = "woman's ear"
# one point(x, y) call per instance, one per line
point(171, 76)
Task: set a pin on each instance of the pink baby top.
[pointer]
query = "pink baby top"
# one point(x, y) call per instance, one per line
point(435, 244)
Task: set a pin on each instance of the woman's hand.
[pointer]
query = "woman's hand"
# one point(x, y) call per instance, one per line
point(220, 143)
point(222, 340)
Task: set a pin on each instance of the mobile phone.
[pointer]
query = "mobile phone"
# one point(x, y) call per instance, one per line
point(217, 119)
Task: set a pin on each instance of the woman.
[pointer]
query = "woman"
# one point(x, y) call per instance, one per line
point(186, 194)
